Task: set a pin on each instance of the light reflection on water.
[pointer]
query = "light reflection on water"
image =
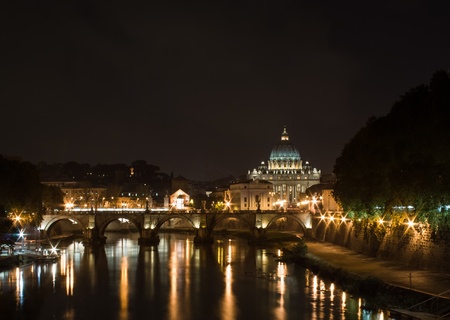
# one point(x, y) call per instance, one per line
point(174, 280)
point(19, 287)
point(228, 303)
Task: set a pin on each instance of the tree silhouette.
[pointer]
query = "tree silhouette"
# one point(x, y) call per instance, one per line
point(20, 190)
point(401, 159)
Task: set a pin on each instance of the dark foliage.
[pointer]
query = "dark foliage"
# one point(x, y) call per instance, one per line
point(52, 198)
point(401, 159)
point(20, 187)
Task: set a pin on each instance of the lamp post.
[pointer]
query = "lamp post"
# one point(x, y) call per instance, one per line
point(22, 235)
point(16, 219)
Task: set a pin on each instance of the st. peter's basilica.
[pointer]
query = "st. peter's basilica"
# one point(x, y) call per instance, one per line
point(287, 172)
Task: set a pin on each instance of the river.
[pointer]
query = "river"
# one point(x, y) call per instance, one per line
point(174, 280)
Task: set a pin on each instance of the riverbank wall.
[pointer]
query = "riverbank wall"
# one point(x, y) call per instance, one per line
point(412, 245)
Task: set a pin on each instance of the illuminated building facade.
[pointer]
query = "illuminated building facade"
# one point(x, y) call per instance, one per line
point(78, 195)
point(251, 195)
point(288, 174)
point(179, 200)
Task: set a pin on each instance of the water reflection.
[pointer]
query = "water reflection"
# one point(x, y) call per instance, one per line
point(66, 265)
point(124, 289)
point(174, 280)
point(228, 303)
point(280, 311)
point(19, 288)
point(173, 267)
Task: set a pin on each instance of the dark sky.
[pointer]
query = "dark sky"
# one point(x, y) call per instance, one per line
point(204, 89)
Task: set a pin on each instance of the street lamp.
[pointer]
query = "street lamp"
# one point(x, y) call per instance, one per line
point(17, 220)
point(22, 235)
point(69, 206)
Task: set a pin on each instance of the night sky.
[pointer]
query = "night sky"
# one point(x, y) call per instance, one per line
point(204, 89)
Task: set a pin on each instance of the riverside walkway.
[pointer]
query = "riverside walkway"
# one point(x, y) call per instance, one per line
point(390, 272)
point(393, 273)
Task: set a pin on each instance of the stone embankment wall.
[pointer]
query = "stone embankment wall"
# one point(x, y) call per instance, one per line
point(414, 246)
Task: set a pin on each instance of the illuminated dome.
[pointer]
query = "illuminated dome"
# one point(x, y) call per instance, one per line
point(285, 170)
point(284, 150)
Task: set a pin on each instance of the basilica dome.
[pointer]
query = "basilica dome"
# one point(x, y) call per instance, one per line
point(285, 170)
point(284, 150)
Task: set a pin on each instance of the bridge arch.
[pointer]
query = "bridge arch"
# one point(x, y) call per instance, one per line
point(107, 221)
point(47, 225)
point(287, 217)
point(242, 219)
point(163, 220)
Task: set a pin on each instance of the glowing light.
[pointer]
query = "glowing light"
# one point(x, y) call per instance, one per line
point(344, 297)
point(229, 252)
point(124, 288)
point(380, 221)
point(19, 286)
point(359, 308)
point(264, 224)
point(332, 292)
point(54, 275)
point(411, 223)
point(228, 303)
point(314, 286)
point(280, 203)
point(281, 274)
point(331, 218)
point(131, 210)
point(308, 223)
point(68, 270)
point(69, 205)
point(53, 250)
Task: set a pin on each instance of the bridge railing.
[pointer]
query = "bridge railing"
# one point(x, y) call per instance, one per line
point(167, 211)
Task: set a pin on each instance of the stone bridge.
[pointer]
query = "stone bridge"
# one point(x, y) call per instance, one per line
point(148, 223)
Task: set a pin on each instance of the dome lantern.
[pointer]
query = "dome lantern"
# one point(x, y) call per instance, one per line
point(284, 150)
